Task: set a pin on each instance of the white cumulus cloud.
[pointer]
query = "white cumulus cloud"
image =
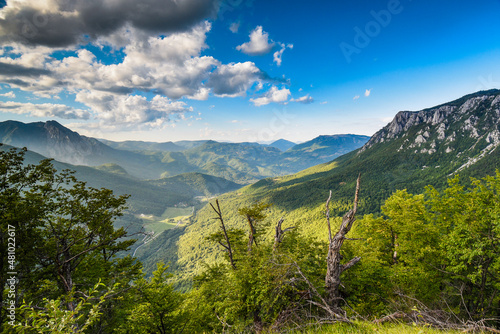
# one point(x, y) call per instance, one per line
point(278, 54)
point(306, 99)
point(274, 95)
point(131, 109)
point(169, 66)
point(259, 43)
point(57, 23)
point(10, 95)
point(157, 63)
point(44, 110)
point(234, 27)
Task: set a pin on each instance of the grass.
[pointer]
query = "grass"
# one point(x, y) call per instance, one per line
point(159, 227)
point(172, 212)
point(171, 218)
point(363, 327)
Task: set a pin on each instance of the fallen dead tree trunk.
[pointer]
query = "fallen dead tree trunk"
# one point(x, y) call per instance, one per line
point(438, 319)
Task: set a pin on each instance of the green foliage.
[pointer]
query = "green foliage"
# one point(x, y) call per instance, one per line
point(441, 248)
point(53, 317)
point(22, 203)
point(265, 287)
point(254, 215)
point(65, 238)
point(471, 249)
point(156, 306)
point(255, 212)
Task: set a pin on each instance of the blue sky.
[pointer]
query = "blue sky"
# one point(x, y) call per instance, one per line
point(240, 70)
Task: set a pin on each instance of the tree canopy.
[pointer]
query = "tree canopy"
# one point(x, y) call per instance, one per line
point(431, 258)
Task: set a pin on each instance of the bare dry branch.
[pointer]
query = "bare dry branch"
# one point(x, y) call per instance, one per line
point(328, 217)
point(351, 263)
point(280, 234)
point(228, 243)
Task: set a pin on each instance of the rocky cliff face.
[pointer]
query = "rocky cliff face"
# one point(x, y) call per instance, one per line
point(466, 129)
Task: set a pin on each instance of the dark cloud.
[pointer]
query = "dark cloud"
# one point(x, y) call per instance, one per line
point(67, 22)
point(117, 89)
point(155, 15)
point(18, 70)
point(16, 82)
point(30, 26)
point(234, 79)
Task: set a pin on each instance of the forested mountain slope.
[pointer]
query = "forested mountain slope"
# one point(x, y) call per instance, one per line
point(415, 150)
point(146, 197)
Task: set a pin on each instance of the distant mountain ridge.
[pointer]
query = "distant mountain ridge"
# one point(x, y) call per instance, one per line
point(53, 140)
point(440, 115)
point(282, 144)
point(331, 146)
point(196, 184)
point(243, 163)
point(131, 145)
point(415, 149)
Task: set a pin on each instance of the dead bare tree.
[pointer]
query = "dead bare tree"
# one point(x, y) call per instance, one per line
point(280, 234)
point(252, 232)
point(254, 214)
point(227, 245)
point(334, 267)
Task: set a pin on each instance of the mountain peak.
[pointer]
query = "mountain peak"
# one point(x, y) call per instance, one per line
point(54, 124)
point(467, 128)
point(51, 139)
point(282, 144)
point(57, 130)
point(354, 141)
point(460, 110)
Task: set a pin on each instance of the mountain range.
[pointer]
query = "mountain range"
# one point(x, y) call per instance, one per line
point(178, 146)
point(242, 163)
point(167, 182)
point(416, 149)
